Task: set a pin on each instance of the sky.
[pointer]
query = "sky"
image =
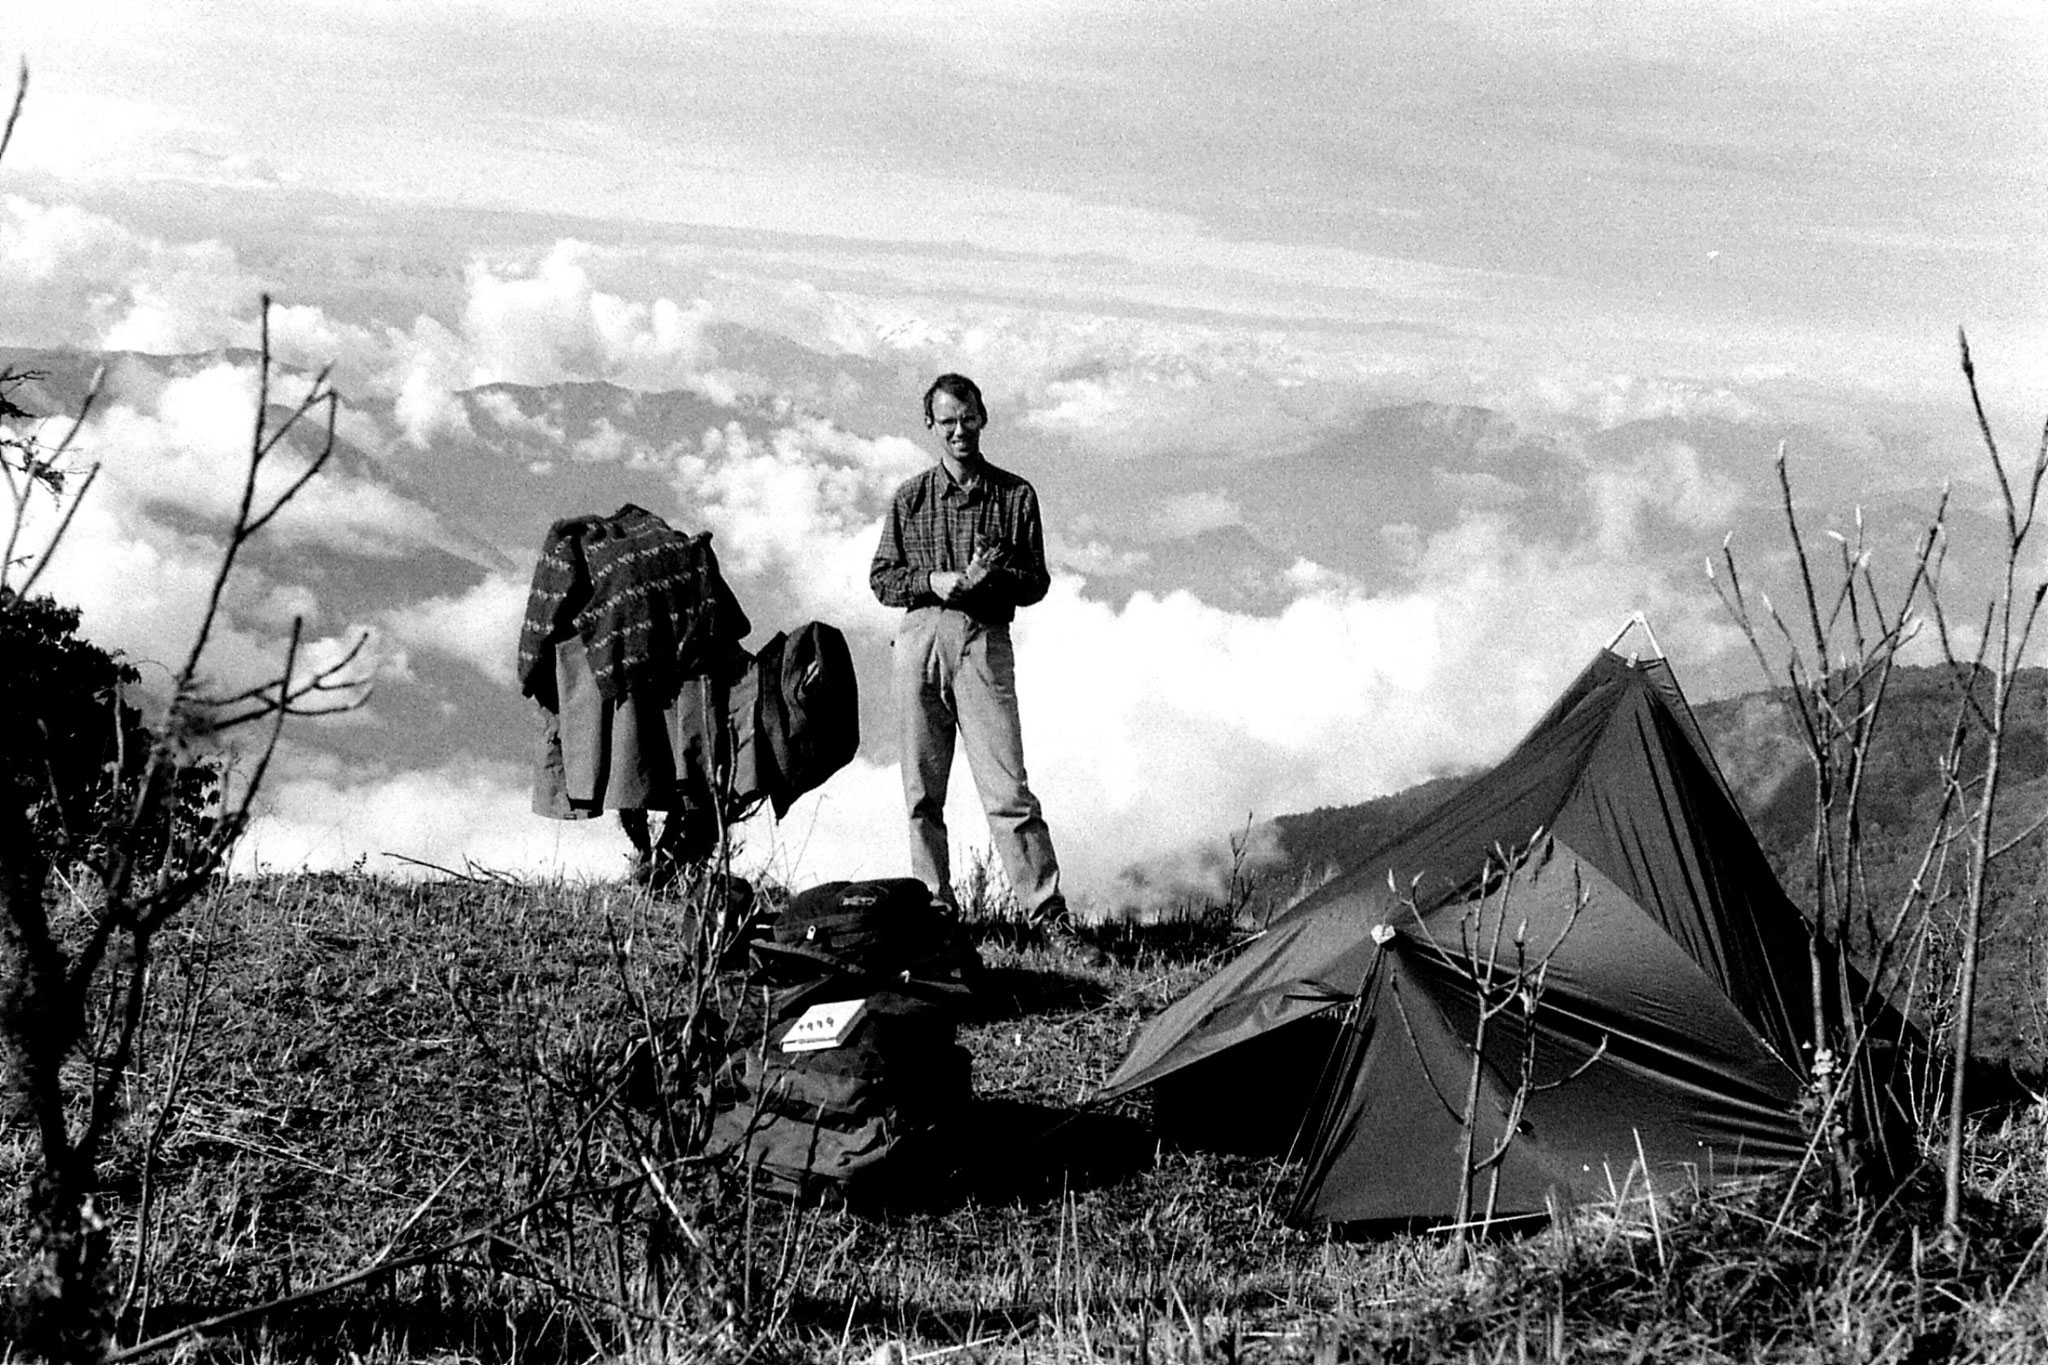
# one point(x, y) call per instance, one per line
point(1374, 361)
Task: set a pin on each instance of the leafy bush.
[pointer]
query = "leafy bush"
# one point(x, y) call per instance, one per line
point(76, 749)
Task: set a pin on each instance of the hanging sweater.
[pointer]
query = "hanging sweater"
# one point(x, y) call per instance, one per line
point(648, 602)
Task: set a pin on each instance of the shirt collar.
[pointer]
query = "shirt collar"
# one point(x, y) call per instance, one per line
point(969, 492)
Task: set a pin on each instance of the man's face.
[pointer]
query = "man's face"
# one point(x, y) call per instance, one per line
point(957, 426)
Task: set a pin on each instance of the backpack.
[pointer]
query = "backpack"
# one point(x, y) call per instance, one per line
point(796, 715)
point(858, 937)
point(867, 1121)
point(864, 1123)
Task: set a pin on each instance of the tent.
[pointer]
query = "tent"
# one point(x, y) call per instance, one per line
point(1673, 1024)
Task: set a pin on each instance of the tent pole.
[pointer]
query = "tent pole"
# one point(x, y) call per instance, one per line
point(1635, 619)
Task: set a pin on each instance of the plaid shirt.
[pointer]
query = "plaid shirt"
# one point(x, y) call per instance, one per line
point(936, 524)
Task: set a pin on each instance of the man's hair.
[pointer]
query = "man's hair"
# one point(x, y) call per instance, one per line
point(961, 387)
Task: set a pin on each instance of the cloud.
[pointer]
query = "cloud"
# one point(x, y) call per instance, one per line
point(186, 446)
point(1156, 727)
point(325, 813)
point(542, 324)
point(425, 367)
point(555, 324)
point(1478, 489)
point(851, 827)
point(1609, 400)
point(74, 277)
point(505, 411)
point(1095, 557)
point(77, 278)
point(1307, 577)
point(1132, 388)
point(1190, 514)
point(1200, 873)
point(327, 816)
point(1156, 724)
point(477, 626)
point(142, 588)
point(141, 557)
point(1669, 479)
point(803, 505)
point(605, 444)
point(204, 167)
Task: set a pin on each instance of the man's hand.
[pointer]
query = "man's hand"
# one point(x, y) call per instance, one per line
point(978, 568)
point(949, 586)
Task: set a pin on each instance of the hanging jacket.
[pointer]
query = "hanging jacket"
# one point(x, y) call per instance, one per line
point(797, 716)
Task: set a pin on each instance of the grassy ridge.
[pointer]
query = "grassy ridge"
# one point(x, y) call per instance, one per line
point(377, 1067)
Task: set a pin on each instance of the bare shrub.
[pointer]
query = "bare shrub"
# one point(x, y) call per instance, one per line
point(73, 996)
point(1507, 974)
point(1833, 662)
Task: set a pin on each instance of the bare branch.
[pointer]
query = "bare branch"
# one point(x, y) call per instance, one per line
point(1581, 1069)
point(2012, 529)
point(1414, 1042)
point(34, 468)
point(2032, 829)
point(313, 466)
point(14, 114)
point(1820, 637)
point(2028, 620)
point(279, 696)
point(374, 1270)
point(63, 526)
point(247, 521)
point(436, 867)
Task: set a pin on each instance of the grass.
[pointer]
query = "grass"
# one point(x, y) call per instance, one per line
point(378, 1069)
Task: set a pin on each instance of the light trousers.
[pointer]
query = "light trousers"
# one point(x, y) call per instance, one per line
point(956, 676)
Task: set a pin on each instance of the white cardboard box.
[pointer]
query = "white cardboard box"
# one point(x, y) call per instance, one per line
point(823, 1026)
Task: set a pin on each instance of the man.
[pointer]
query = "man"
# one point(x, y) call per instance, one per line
point(961, 550)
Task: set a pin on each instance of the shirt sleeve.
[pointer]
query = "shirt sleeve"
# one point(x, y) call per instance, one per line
point(895, 580)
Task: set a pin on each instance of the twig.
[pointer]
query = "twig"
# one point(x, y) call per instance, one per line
point(953, 1350)
point(434, 867)
point(181, 1055)
point(420, 1210)
point(14, 114)
point(369, 1272)
point(46, 462)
